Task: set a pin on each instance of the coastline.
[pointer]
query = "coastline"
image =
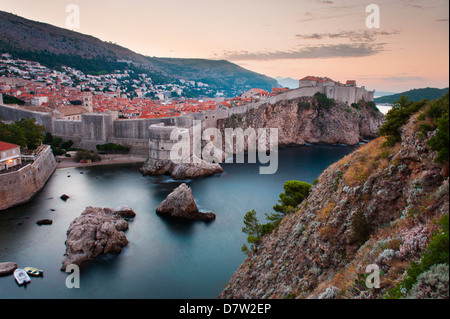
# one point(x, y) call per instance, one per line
point(109, 159)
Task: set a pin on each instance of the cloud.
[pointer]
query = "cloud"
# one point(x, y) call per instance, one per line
point(353, 36)
point(442, 20)
point(309, 52)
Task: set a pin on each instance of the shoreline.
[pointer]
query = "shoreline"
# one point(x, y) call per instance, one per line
point(109, 159)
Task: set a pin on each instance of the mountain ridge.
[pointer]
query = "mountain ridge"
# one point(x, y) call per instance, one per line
point(414, 95)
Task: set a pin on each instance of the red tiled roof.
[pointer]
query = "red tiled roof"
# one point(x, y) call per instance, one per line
point(7, 146)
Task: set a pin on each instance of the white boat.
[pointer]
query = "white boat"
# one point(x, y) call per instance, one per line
point(21, 276)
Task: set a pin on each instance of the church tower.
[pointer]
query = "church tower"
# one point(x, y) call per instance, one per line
point(87, 100)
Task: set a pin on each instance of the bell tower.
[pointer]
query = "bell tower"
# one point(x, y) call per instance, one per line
point(87, 100)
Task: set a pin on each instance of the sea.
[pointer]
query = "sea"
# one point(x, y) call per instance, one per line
point(165, 259)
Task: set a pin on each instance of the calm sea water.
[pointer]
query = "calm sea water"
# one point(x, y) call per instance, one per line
point(164, 259)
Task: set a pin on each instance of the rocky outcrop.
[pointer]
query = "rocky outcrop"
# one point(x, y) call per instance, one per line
point(98, 231)
point(378, 205)
point(302, 120)
point(7, 268)
point(180, 171)
point(124, 211)
point(180, 204)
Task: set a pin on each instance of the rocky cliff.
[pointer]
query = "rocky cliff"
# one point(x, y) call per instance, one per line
point(379, 205)
point(306, 120)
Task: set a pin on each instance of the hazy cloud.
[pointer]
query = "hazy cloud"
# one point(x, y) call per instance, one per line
point(353, 36)
point(309, 52)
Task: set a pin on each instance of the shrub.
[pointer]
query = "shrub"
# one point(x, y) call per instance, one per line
point(303, 106)
point(323, 101)
point(112, 148)
point(436, 253)
point(294, 193)
point(432, 284)
point(360, 228)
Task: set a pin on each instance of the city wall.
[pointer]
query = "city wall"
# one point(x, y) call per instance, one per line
point(103, 128)
point(21, 186)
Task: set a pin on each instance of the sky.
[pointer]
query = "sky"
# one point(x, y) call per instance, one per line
point(409, 48)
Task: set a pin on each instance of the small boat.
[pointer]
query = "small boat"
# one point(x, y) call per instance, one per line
point(34, 271)
point(21, 276)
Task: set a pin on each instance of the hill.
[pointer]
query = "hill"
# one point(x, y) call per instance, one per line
point(414, 95)
point(384, 205)
point(54, 47)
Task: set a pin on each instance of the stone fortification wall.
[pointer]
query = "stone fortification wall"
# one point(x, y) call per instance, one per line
point(11, 113)
point(104, 128)
point(21, 186)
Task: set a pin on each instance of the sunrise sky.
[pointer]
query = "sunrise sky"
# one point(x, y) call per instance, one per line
point(288, 38)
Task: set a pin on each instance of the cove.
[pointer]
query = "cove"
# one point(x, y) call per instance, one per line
point(165, 259)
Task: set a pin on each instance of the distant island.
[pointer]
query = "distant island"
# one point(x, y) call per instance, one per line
point(414, 95)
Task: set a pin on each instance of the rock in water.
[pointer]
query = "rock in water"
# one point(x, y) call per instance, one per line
point(7, 268)
point(180, 204)
point(195, 168)
point(97, 231)
point(124, 211)
point(44, 222)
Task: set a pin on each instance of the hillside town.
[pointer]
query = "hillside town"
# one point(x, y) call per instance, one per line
point(70, 93)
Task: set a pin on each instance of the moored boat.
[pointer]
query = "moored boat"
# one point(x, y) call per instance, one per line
point(34, 271)
point(21, 276)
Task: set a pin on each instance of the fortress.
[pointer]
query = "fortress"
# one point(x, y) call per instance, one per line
point(144, 137)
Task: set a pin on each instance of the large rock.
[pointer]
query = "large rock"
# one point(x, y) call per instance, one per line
point(180, 204)
point(97, 231)
point(178, 171)
point(7, 268)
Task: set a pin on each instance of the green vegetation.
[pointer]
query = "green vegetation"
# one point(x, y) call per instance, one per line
point(360, 228)
point(8, 99)
point(434, 117)
point(25, 133)
point(303, 106)
point(323, 101)
point(437, 119)
point(84, 155)
point(112, 148)
point(437, 253)
point(295, 193)
point(414, 95)
point(58, 146)
point(397, 116)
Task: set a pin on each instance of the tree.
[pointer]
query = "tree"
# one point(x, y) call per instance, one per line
point(294, 193)
point(397, 116)
point(25, 133)
point(34, 133)
point(252, 229)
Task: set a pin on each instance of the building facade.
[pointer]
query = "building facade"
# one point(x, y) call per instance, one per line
point(9, 155)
